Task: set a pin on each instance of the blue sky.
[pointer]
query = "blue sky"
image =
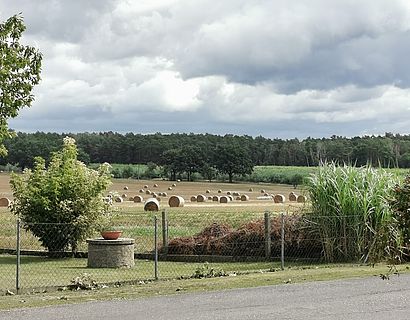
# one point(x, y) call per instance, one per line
point(273, 68)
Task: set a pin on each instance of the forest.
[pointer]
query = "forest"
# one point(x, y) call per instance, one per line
point(202, 150)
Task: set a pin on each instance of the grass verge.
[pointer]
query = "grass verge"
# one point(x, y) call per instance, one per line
point(170, 287)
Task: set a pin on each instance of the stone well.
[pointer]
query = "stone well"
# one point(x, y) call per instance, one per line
point(110, 253)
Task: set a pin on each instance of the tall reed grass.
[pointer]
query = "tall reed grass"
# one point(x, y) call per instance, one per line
point(350, 210)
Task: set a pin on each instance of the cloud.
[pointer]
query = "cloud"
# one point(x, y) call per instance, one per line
point(251, 67)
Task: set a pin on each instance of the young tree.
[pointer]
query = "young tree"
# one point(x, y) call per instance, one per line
point(61, 204)
point(20, 68)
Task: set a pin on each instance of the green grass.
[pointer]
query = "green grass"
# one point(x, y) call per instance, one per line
point(170, 287)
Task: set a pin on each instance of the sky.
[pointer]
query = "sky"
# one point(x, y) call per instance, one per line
point(276, 68)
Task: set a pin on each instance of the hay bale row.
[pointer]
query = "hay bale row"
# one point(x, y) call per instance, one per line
point(176, 201)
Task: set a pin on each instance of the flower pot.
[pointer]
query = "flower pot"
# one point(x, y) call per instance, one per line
point(111, 235)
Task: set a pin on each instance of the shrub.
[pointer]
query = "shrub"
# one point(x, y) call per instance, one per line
point(61, 204)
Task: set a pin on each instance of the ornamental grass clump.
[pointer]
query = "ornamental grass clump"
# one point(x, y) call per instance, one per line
point(63, 203)
point(350, 211)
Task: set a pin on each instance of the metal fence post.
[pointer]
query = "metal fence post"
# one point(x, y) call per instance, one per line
point(267, 235)
point(18, 256)
point(164, 231)
point(282, 240)
point(156, 248)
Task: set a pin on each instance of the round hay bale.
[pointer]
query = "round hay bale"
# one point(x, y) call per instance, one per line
point(124, 195)
point(208, 191)
point(279, 198)
point(126, 188)
point(138, 199)
point(244, 197)
point(174, 185)
point(238, 198)
point(5, 202)
point(250, 190)
point(210, 198)
point(118, 199)
point(148, 191)
point(164, 194)
point(176, 201)
point(236, 194)
point(228, 193)
point(263, 191)
point(230, 198)
point(292, 196)
point(215, 198)
point(201, 198)
point(141, 191)
point(301, 199)
point(154, 195)
point(151, 204)
point(146, 187)
point(170, 188)
point(224, 199)
point(155, 185)
point(193, 199)
point(266, 194)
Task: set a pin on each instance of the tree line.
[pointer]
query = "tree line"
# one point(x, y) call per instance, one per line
point(209, 154)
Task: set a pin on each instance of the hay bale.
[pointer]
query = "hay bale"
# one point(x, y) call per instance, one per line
point(228, 193)
point(155, 185)
point(219, 191)
point(164, 194)
point(154, 195)
point(151, 204)
point(210, 198)
point(5, 202)
point(224, 199)
point(193, 199)
point(174, 185)
point(215, 198)
point(266, 194)
point(238, 198)
point(301, 199)
point(236, 194)
point(263, 191)
point(146, 187)
point(279, 198)
point(250, 190)
point(118, 199)
point(176, 201)
point(201, 198)
point(141, 191)
point(244, 197)
point(148, 191)
point(208, 191)
point(169, 188)
point(124, 196)
point(293, 196)
point(138, 199)
point(126, 188)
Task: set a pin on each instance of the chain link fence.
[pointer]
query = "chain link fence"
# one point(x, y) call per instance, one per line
point(166, 246)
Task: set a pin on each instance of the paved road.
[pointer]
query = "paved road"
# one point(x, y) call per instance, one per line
point(370, 298)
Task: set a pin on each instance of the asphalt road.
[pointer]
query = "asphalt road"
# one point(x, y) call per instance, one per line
point(369, 298)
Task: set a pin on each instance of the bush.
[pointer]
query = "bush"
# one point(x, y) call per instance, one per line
point(61, 204)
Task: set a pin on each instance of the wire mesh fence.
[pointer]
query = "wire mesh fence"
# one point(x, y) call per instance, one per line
point(164, 245)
